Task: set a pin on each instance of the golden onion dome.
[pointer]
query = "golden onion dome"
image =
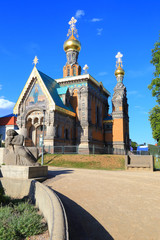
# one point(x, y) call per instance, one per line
point(72, 44)
point(119, 71)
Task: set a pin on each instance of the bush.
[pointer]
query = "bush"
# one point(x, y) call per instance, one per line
point(20, 220)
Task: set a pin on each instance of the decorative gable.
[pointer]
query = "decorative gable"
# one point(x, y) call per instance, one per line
point(34, 93)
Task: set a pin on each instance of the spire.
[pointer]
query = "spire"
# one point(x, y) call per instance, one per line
point(120, 109)
point(72, 48)
point(72, 43)
point(119, 73)
point(35, 61)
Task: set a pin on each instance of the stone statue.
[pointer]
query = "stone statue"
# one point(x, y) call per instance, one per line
point(15, 153)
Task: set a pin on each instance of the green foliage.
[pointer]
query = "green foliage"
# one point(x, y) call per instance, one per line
point(20, 221)
point(154, 114)
point(134, 145)
point(154, 117)
point(84, 161)
point(155, 84)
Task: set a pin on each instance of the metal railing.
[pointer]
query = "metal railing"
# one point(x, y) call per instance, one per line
point(74, 149)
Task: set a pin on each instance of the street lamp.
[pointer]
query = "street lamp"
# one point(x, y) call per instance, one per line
point(43, 138)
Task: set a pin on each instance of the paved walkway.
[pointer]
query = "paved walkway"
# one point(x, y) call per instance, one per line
point(103, 205)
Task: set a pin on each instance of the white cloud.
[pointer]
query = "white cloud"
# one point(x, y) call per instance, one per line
point(102, 73)
point(5, 104)
point(79, 13)
point(99, 31)
point(96, 19)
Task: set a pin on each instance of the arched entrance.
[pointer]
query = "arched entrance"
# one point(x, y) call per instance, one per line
point(34, 125)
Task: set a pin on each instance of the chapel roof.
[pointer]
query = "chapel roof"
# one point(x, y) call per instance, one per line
point(54, 89)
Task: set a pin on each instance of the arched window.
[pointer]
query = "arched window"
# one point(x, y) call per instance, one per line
point(74, 57)
point(74, 71)
point(68, 71)
point(57, 131)
point(70, 58)
point(66, 134)
point(35, 120)
point(31, 131)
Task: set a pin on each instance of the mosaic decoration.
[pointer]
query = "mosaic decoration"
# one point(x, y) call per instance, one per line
point(77, 85)
point(36, 96)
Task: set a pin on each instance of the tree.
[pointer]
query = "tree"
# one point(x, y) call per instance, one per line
point(155, 84)
point(154, 117)
point(134, 145)
point(154, 114)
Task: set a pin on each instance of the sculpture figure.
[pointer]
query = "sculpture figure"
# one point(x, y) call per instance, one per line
point(15, 153)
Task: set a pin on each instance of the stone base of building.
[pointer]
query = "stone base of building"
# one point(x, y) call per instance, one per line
point(24, 172)
point(49, 142)
point(83, 148)
point(119, 146)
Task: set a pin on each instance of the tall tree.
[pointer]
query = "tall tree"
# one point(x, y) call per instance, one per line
point(154, 114)
point(155, 84)
point(154, 117)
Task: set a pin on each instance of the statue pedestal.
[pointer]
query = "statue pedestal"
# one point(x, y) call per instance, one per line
point(24, 172)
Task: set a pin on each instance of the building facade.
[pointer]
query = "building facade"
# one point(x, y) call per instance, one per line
point(7, 122)
point(74, 109)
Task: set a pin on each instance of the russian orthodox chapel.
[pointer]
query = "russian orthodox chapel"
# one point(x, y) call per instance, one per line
point(74, 109)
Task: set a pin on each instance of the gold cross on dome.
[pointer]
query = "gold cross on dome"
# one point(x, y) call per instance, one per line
point(72, 30)
point(35, 61)
point(119, 59)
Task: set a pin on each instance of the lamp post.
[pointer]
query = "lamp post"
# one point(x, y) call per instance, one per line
point(43, 138)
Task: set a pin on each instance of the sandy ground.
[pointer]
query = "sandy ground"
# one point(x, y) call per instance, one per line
point(109, 204)
point(44, 236)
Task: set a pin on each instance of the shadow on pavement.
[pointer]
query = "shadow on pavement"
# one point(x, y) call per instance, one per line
point(54, 173)
point(82, 225)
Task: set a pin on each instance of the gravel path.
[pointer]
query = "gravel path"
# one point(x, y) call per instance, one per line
point(103, 205)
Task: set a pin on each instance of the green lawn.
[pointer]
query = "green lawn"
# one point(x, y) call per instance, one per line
point(98, 161)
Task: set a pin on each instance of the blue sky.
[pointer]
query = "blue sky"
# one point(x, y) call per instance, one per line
point(30, 28)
